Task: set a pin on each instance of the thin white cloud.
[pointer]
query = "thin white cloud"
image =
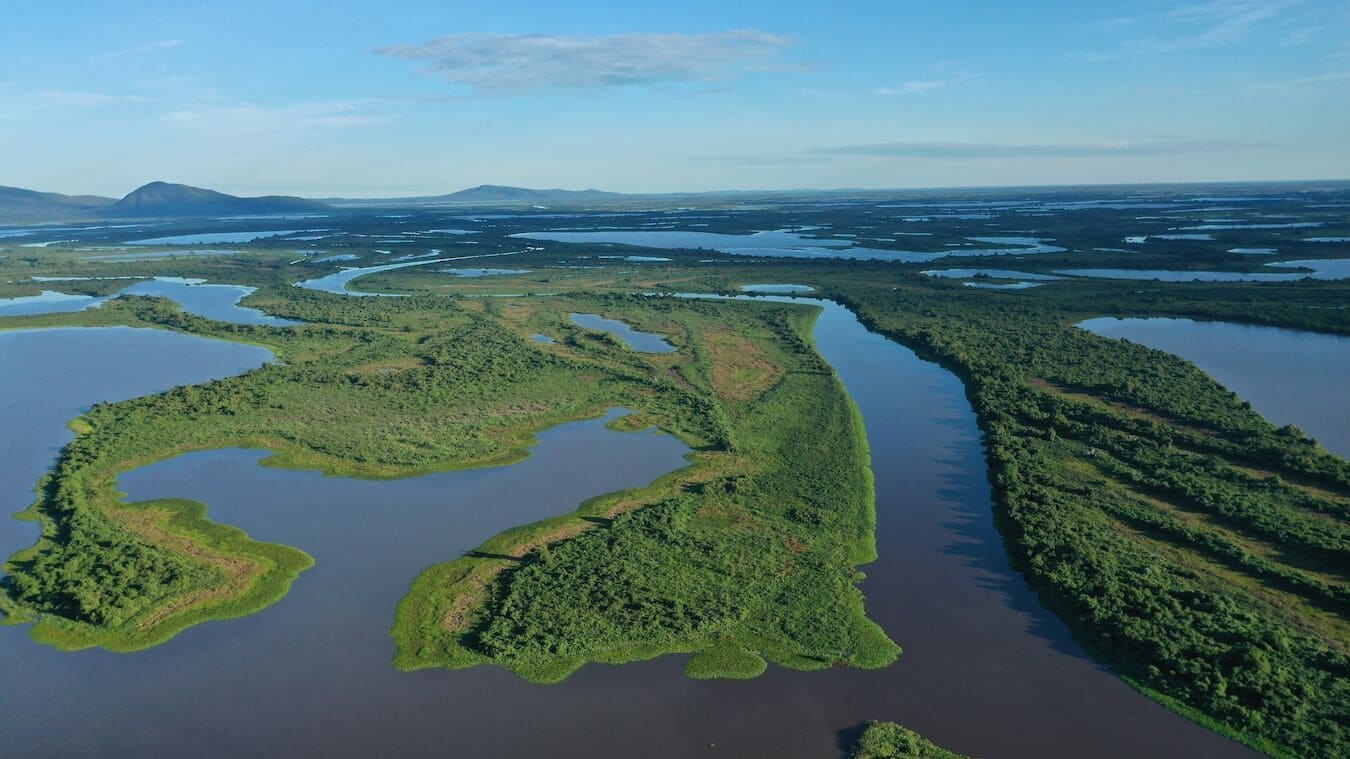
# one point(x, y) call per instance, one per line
point(249, 121)
point(989, 150)
point(1328, 77)
point(1209, 24)
point(1116, 23)
point(148, 47)
point(518, 62)
point(61, 98)
point(23, 102)
point(918, 86)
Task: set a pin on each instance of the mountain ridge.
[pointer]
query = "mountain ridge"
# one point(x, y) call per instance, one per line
point(163, 199)
point(495, 193)
point(155, 200)
point(20, 205)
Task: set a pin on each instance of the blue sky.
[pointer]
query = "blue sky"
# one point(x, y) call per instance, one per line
point(392, 98)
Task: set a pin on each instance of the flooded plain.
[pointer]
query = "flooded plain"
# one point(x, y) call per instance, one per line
point(787, 243)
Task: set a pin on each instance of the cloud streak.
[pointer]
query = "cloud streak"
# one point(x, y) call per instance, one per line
point(523, 62)
point(19, 103)
point(249, 121)
point(1328, 77)
point(920, 86)
point(148, 47)
point(1213, 23)
point(991, 150)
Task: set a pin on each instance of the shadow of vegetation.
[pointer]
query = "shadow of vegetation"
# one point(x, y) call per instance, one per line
point(490, 555)
point(844, 739)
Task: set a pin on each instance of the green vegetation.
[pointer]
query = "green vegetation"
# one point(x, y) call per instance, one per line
point(747, 556)
point(887, 740)
point(748, 553)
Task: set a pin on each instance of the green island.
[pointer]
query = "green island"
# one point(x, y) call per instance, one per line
point(887, 740)
point(1198, 550)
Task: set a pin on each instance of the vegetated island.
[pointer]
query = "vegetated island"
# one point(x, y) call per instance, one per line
point(887, 740)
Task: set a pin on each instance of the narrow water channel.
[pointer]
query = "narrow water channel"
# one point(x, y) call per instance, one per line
point(985, 671)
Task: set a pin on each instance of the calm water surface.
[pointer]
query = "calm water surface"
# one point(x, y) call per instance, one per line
point(1003, 285)
point(211, 238)
point(337, 282)
point(218, 302)
point(120, 258)
point(1288, 375)
point(195, 296)
point(644, 342)
point(475, 273)
point(985, 669)
point(785, 243)
point(50, 376)
point(777, 288)
point(47, 302)
point(993, 273)
point(1325, 268)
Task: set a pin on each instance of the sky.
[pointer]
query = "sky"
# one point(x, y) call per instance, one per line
point(371, 99)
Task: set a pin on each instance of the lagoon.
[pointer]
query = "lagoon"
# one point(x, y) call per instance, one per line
point(1322, 268)
point(786, 243)
point(476, 273)
point(211, 238)
point(50, 376)
point(195, 296)
point(991, 273)
point(47, 302)
point(218, 302)
point(643, 342)
point(771, 289)
point(337, 282)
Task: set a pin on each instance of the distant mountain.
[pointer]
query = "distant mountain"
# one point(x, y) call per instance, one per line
point(159, 200)
point(17, 205)
point(491, 194)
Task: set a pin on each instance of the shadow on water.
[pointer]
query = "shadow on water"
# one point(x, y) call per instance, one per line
point(849, 736)
point(979, 544)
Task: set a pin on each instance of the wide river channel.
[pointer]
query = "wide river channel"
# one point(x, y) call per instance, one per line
point(985, 671)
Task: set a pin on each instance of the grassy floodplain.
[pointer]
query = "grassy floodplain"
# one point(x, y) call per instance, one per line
point(748, 556)
point(386, 387)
